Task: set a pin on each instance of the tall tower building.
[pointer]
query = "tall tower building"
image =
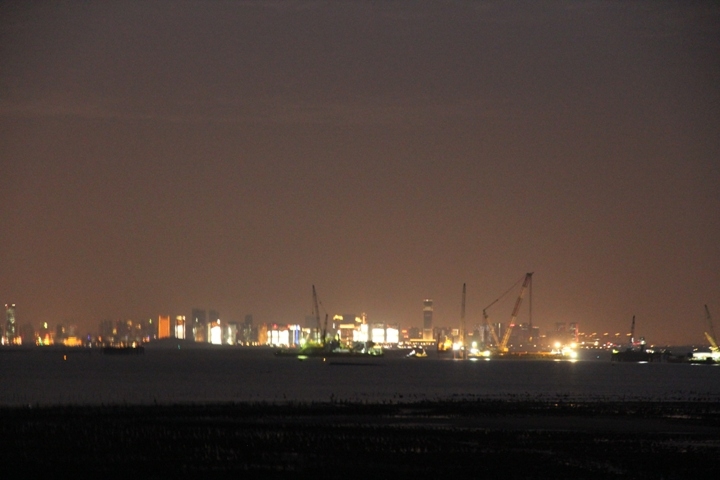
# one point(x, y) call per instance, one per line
point(213, 326)
point(11, 331)
point(180, 327)
point(427, 319)
point(197, 324)
point(163, 326)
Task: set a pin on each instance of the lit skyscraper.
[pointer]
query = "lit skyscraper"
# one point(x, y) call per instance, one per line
point(180, 327)
point(197, 324)
point(11, 333)
point(427, 319)
point(163, 326)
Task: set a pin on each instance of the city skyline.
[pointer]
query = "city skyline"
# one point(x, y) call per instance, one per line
point(159, 156)
point(178, 326)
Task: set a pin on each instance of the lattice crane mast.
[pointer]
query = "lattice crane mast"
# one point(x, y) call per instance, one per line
point(711, 335)
point(493, 334)
point(462, 319)
point(503, 343)
point(321, 339)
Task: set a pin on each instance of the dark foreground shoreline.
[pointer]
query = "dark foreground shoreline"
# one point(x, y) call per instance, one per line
point(476, 439)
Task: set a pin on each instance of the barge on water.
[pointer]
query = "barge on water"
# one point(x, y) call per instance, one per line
point(331, 350)
point(123, 350)
point(631, 355)
point(638, 351)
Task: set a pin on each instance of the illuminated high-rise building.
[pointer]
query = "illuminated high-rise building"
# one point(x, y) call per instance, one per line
point(214, 332)
point(230, 333)
point(213, 324)
point(163, 326)
point(262, 334)
point(427, 319)
point(197, 324)
point(11, 332)
point(248, 334)
point(180, 327)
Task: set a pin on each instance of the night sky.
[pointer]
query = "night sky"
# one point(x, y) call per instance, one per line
point(160, 156)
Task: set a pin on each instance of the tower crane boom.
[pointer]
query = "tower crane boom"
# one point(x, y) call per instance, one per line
point(462, 319)
point(486, 324)
point(317, 314)
point(493, 334)
point(506, 337)
point(501, 345)
point(710, 334)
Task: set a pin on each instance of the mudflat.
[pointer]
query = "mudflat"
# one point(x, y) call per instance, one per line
point(477, 439)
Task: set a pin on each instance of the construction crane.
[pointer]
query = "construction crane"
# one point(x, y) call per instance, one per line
point(710, 334)
point(503, 343)
point(493, 334)
point(317, 315)
point(462, 319)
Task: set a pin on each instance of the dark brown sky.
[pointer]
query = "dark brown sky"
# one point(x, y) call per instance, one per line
point(229, 155)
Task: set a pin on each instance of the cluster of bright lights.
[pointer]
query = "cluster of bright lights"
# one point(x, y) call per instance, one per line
point(707, 356)
point(569, 351)
point(279, 337)
point(474, 352)
point(216, 334)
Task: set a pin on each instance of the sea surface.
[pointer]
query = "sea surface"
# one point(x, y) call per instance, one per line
point(44, 377)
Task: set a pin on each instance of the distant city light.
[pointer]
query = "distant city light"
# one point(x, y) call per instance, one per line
point(216, 334)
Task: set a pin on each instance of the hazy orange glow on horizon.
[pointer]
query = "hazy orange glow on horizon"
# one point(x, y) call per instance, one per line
point(229, 155)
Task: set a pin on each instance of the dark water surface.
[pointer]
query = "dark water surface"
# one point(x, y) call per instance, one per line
point(170, 376)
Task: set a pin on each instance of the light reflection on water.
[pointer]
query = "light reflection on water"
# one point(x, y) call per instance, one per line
point(239, 375)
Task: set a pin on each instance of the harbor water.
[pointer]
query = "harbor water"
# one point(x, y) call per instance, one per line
point(182, 376)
